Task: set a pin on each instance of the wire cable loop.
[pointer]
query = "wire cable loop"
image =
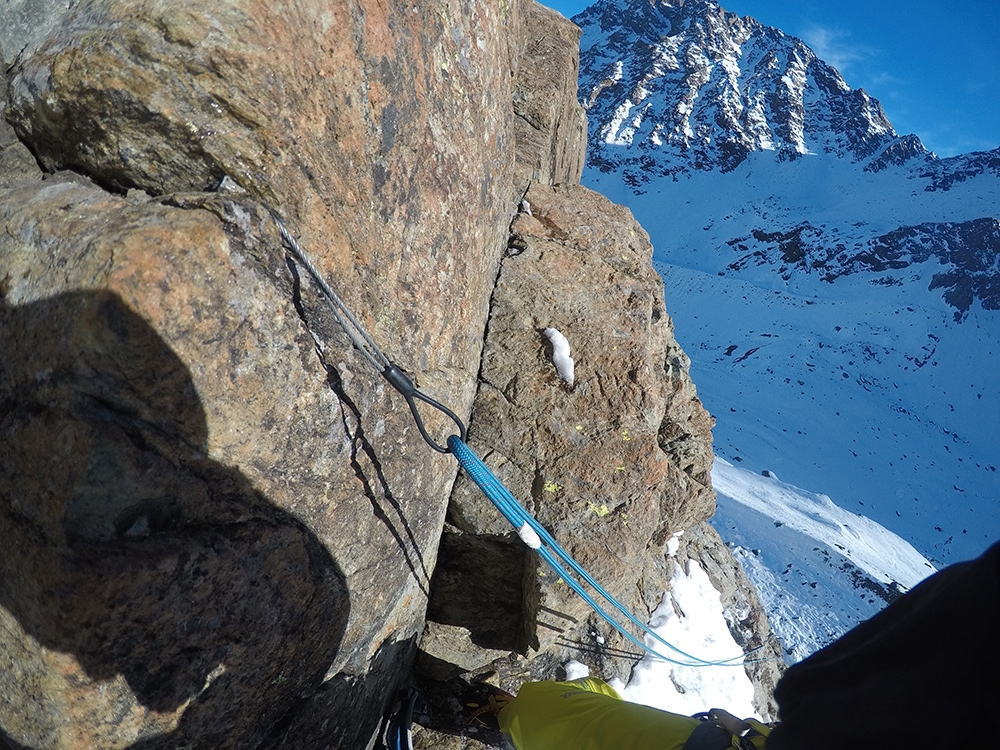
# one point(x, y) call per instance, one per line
point(361, 339)
point(398, 380)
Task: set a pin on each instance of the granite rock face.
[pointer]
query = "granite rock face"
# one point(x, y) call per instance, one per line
point(613, 464)
point(199, 471)
point(550, 123)
point(142, 352)
point(150, 591)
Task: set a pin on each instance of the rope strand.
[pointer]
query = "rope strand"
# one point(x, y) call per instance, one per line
point(552, 553)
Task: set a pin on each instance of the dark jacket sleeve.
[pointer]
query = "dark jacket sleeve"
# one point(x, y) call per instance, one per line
point(924, 672)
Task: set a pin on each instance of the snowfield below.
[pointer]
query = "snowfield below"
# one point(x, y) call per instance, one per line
point(866, 386)
point(819, 569)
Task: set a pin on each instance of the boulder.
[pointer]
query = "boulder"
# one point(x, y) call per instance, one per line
point(224, 522)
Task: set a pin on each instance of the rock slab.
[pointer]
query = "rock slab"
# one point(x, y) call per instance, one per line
point(612, 464)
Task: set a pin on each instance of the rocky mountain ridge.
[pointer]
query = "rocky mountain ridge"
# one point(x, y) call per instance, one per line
point(225, 527)
point(692, 86)
point(674, 87)
point(967, 250)
point(678, 86)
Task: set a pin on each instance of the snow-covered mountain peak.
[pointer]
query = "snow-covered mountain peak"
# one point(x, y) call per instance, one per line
point(823, 186)
point(688, 85)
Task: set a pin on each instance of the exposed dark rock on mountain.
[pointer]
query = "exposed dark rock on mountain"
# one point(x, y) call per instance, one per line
point(945, 173)
point(968, 251)
point(897, 154)
point(691, 86)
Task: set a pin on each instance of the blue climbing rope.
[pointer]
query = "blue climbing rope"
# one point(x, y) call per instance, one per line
point(553, 554)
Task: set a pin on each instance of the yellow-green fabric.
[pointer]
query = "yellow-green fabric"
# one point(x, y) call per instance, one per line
point(763, 730)
point(588, 714)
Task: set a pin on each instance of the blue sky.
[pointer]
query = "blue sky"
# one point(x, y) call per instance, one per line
point(935, 66)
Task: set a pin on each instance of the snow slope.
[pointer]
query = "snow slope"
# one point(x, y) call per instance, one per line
point(819, 569)
point(836, 287)
point(690, 617)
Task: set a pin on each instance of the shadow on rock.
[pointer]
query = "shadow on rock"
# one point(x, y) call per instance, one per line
point(149, 596)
